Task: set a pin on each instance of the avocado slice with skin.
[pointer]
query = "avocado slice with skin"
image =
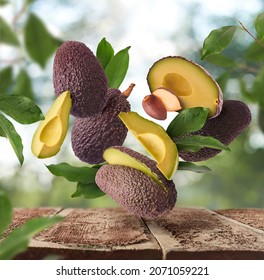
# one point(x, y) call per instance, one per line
point(189, 81)
point(155, 140)
point(51, 132)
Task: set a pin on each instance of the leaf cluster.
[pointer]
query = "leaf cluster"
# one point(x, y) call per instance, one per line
point(250, 62)
point(17, 241)
point(16, 92)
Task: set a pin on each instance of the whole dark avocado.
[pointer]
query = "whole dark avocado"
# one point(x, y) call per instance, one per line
point(232, 121)
point(92, 135)
point(136, 191)
point(77, 70)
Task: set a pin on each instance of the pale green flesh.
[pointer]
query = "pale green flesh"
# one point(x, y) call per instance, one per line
point(115, 156)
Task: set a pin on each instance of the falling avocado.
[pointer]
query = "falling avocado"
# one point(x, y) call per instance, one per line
point(130, 185)
point(190, 82)
point(232, 121)
point(52, 131)
point(76, 69)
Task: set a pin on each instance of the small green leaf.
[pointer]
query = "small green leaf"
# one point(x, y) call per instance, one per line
point(188, 148)
point(258, 86)
point(7, 35)
point(218, 40)
point(117, 68)
point(23, 85)
point(88, 191)
point(5, 79)
point(84, 174)
point(189, 166)
point(104, 52)
point(201, 142)
point(5, 212)
point(259, 26)
point(40, 44)
point(187, 121)
point(20, 108)
point(13, 137)
point(17, 241)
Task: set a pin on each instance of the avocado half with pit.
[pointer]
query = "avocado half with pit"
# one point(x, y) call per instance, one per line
point(189, 81)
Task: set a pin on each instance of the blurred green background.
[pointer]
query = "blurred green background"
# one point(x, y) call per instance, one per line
point(153, 29)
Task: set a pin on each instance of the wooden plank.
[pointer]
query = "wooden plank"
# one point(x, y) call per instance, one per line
point(187, 233)
point(95, 234)
point(249, 216)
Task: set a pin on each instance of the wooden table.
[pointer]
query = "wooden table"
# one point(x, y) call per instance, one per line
point(184, 233)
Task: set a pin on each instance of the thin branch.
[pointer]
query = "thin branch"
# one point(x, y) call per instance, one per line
point(255, 38)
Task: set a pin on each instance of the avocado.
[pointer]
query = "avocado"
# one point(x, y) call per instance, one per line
point(155, 140)
point(92, 135)
point(135, 190)
point(232, 121)
point(77, 70)
point(189, 81)
point(51, 132)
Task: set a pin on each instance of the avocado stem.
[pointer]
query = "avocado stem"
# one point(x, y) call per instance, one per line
point(128, 91)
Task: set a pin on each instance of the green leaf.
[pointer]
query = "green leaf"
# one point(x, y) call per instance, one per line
point(255, 52)
point(201, 142)
point(88, 191)
point(5, 79)
point(187, 121)
point(7, 35)
point(104, 52)
point(17, 241)
point(218, 40)
point(40, 44)
point(84, 174)
point(117, 68)
point(20, 108)
point(259, 26)
point(2, 133)
point(5, 212)
point(258, 86)
point(13, 137)
point(23, 85)
point(189, 166)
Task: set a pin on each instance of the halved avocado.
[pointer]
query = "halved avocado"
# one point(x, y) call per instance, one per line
point(52, 131)
point(124, 156)
point(155, 140)
point(190, 82)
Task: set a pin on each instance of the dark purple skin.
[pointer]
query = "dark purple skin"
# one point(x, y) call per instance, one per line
point(232, 121)
point(91, 136)
point(134, 190)
point(76, 69)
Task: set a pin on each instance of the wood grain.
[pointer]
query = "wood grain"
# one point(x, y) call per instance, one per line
point(184, 233)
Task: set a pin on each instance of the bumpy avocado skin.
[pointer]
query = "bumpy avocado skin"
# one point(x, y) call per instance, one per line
point(76, 69)
point(91, 136)
point(135, 191)
point(232, 121)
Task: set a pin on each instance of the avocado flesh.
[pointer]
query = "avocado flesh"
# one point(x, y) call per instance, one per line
point(114, 155)
point(191, 83)
point(52, 131)
point(155, 140)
